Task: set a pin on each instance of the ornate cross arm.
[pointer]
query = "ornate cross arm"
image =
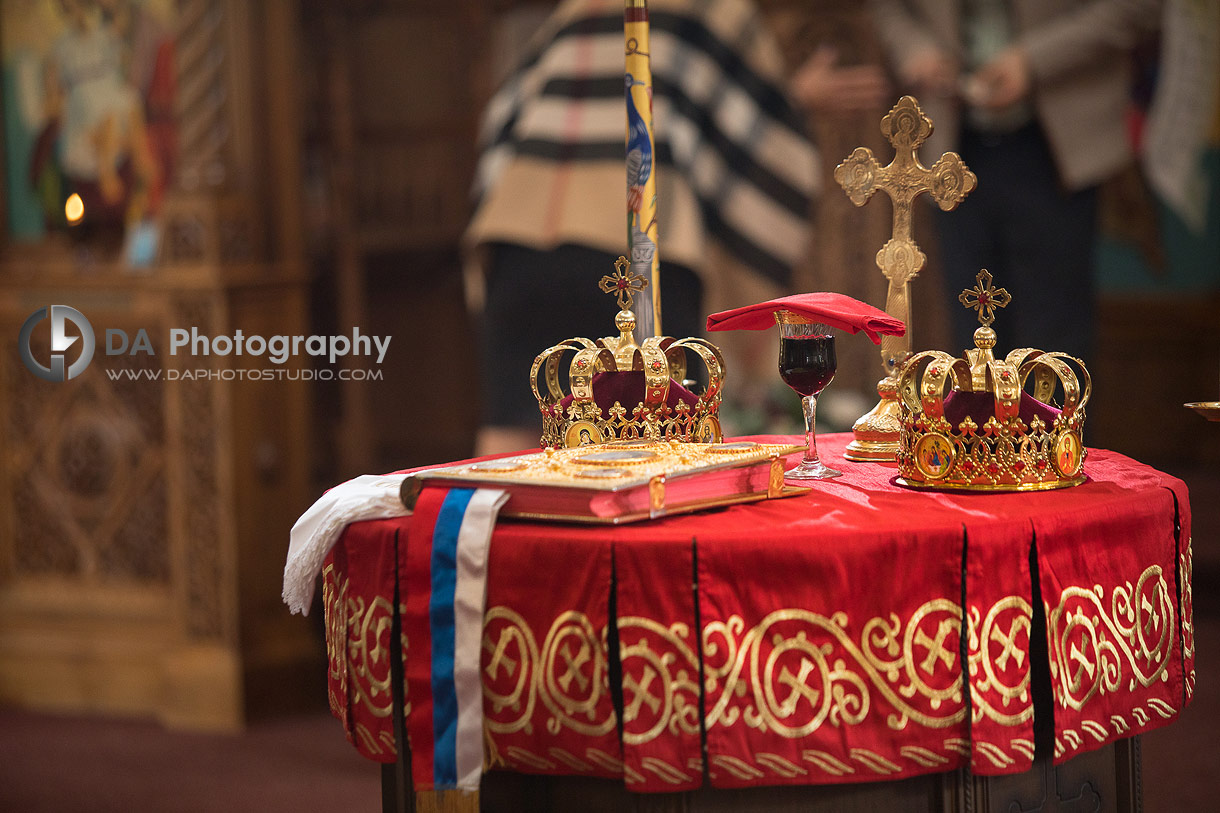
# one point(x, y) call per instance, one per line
point(904, 179)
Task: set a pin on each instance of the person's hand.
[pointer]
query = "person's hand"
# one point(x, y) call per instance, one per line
point(1003, 81)
point(824, 87)
point(931, 72)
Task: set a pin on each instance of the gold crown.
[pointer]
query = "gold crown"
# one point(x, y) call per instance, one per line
point(645, 376)
point(989, 433)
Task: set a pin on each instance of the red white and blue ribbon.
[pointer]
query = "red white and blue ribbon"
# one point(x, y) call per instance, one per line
point(445, 581)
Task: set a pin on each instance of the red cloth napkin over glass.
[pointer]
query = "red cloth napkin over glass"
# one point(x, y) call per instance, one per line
point(836, 310)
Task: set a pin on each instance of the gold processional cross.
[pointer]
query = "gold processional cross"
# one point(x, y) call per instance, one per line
point(948, 181)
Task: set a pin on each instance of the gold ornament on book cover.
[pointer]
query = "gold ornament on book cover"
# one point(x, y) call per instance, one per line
point(646, 395)
point(622, 481)
point(999, 428)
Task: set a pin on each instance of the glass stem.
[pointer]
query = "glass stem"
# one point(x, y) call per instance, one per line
point(810, 405)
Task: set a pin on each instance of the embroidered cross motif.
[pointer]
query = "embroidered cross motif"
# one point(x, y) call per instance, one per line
point(574, 663)
point(1084, 666)
point(623, 284)
point(499, 657)
point(640, 695)
point(936, 648)
point(799, 689)
point(1009, 642)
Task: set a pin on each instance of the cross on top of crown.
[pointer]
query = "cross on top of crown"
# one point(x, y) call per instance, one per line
point(623, 284)
point(984, 297)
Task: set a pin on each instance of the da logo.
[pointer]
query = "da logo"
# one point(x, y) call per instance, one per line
point(59, 370)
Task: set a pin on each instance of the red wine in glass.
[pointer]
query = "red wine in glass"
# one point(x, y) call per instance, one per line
point(807, 364)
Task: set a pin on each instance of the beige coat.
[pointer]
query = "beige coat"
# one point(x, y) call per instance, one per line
point(1078, 57)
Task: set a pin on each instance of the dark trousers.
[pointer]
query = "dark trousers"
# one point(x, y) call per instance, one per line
point(536, 299)
point(1036, 240)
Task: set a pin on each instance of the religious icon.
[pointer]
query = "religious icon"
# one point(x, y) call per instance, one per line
point(934, 456)
point(582, 433)
point(1067, 454)
point(91, 138)
point(708, 431)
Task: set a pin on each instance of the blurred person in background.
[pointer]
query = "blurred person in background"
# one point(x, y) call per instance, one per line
point(736, 174)
point(1034, 95)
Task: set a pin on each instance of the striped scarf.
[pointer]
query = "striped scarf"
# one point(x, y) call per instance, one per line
point(734, 162)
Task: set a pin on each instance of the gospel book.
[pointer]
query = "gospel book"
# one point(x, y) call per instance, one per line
point(622, 481)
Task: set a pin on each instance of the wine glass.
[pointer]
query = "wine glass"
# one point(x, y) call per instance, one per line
point(807, 364)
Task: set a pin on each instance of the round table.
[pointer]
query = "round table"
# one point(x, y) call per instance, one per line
point(857, 633)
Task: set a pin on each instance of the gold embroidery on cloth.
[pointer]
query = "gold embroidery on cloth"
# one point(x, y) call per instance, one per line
point(1098, 648)
point(382, 743)
point(668, 687)
point(1000, 680)
point(923, 756)
point(790, 676)
point(335, 624)
point(357, 644)
point(779, 765)
point(827, 762)
point(796, 687)
point(797, 670)
point(1070, 740)
point(1186, 611)
point(862, 760)
point(666, 772)
point(994, 753)
point(568, 674)
point(570, 760)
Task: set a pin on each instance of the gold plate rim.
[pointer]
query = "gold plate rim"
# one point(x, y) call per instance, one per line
point(1208, 409)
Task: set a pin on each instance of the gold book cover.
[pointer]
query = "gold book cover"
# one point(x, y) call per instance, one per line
point(622, 481)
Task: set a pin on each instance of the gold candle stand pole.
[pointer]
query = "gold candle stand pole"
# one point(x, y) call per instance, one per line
point(642, 230)
point(900, 260)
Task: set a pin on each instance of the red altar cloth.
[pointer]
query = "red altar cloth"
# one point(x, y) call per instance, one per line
point(812, 639)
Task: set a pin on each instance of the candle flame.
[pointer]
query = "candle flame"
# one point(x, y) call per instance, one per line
point(74, 209)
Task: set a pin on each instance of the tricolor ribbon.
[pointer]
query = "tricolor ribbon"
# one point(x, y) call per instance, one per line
point(444, 577)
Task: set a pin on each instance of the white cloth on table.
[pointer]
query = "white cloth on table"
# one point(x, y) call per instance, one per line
point(369, 496)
